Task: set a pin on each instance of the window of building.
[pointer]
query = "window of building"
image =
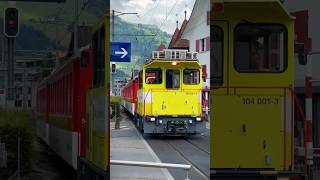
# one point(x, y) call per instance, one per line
point(191, 76)
point(172, 79)
point(216, 67)
point(260, 48)
point(2, 82)
point(202, 45)
point(18, 77)
point(153, 76)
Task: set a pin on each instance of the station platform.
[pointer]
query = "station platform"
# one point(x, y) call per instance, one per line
point(128, 144)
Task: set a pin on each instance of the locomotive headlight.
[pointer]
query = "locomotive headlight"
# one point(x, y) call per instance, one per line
point(198, 118)
point(174, 63)
point(152, 119)
point(160, 121)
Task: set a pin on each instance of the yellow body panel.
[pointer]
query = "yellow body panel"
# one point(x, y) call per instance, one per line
point(156, 100)
point(250, 116)
point(176, 103)
point(97, 106)
point(97, 147)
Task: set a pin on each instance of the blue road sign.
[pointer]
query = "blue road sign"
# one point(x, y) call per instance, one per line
point(120, 52)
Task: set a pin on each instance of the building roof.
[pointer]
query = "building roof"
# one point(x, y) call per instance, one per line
point(176, 41)
point(161, 47)
point(183, 27)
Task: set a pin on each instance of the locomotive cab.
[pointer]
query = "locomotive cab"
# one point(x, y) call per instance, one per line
point(169, 94)
point(252, 75)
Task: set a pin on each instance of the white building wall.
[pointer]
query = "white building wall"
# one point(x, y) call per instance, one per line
point(313, 6)
point(196, 29)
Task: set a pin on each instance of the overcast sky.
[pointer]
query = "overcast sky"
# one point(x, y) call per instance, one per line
point(163, 13)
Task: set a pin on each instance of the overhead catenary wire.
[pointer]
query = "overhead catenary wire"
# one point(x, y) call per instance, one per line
point(151, 9)
point(85, 4)
point(165, 19)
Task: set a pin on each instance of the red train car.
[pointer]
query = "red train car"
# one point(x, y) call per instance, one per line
point(129, 98)
point(61, 104)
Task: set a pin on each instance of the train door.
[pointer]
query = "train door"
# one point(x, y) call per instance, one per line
point(254, 126)
point(219, 59)
point(219, 81)
point(251, 115)
point(228, 130)
point(96, 165)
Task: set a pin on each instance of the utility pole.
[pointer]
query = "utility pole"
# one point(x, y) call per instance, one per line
point(56, 47)
point(75, 33)
point(112, 31)
point(2, 50)
point(10, 81)
point(112, 39)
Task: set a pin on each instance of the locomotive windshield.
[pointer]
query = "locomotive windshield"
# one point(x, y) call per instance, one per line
point(153, 76)
point(260, 48)
point(172, 79)
point(191, 76)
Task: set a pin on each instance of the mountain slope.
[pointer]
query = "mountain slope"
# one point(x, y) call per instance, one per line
point(142, 46)
point(32, 13)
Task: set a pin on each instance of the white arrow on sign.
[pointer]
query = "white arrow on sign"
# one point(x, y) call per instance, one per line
point(123, 52)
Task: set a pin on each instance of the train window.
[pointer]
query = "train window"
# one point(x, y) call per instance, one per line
point(191, 76)
point(84, 61)
point(99, 54)
point(153, 76)
point(260, 48)
point(172, 79)
point(216, 68)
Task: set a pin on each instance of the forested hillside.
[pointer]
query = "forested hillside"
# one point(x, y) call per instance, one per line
point(38, 32)
point(142, 46)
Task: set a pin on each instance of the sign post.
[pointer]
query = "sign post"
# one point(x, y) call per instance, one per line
point(11, 31)
point(120, 52)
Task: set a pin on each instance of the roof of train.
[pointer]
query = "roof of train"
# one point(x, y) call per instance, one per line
point(70, 59)
point(280, 9)
point(129, 82)
point(168, 61)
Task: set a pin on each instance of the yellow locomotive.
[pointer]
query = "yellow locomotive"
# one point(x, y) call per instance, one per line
point(169, 94)
point(252, 49)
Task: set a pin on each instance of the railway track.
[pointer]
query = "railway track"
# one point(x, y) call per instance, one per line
point(195, 166)
point(197, 146)
point(193, 150)
point(185, 151)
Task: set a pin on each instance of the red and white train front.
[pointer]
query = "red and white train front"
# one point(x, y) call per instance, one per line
point(129, 95)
